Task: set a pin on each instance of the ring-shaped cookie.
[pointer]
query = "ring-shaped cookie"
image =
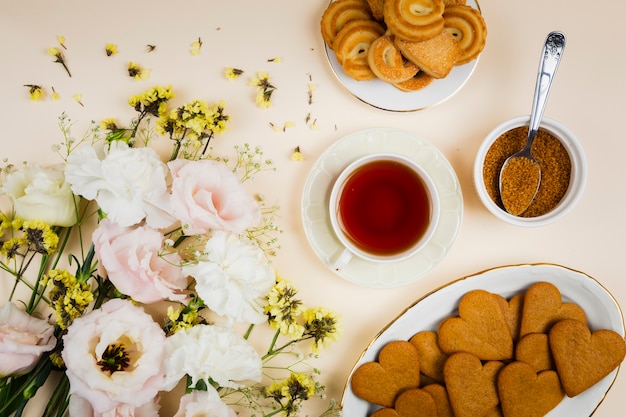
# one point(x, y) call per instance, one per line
point(468, 27)
point(417, 82)
point(338, 13)
point(387, 62)
point(352, 44)
point(420, 12)
point(404, 29)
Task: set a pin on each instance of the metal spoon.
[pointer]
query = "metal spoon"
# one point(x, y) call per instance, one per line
point(520, 174)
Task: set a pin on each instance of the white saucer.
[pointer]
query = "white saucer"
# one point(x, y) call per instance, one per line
point(316, 220)
point(382, 95)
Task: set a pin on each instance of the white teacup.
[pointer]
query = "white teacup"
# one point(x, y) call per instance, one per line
point(383, 208)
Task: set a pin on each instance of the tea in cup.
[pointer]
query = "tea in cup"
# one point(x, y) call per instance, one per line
point(383, 208)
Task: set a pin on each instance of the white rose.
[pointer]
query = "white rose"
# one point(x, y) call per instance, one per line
point(23, 339)
point(79, 407)
point(234, 279)
point(127, 183)
point(210, 351)
point(41, 193)
point(203, 403)
point(117, 323)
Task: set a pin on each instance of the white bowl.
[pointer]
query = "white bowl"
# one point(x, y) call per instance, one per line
point(578, 175)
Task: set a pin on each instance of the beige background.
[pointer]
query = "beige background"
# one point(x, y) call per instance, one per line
point(588, 97)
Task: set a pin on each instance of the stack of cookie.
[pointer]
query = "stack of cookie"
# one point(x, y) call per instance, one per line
point(406, 43)
point(497, 357)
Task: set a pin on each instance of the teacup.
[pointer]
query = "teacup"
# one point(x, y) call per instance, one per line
point(383, 208)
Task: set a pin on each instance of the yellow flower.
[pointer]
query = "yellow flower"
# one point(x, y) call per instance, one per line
point(79, 98)
point(110, 49)
point(323, 326)
point(53, 51)
point(69, 297)
point(55, 95)
point(263, 100)
point(61, 40)
point(40, 237)
point(276, 60)
point(196, 47)
point(108, 124)
point(137, 72)
point(297, 155)
point(36, 92)
point(232, 73)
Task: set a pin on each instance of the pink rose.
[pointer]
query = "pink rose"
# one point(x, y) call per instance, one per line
point(23, 339)
point(207, 195)
point(114, 355)
point(134, 264)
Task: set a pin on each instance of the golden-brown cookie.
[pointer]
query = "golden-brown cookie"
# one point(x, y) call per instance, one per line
point(534, 349)
point(396, 370)
point(471, 385)
point(351, 46)
point(414, 20)
point(442, 402)
point(415, 83)
point(377, 6)
point(544, 306)
point(340, 12)
point(387, 62)
point(480, 328)
point(432, 358)
point(583, 358)
point(435, 56)
point(513, 313)
point(525, 393)
point(415, 403)
point(468, 27)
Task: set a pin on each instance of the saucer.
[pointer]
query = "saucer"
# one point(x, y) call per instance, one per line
point(315, 196)
point(385, 96)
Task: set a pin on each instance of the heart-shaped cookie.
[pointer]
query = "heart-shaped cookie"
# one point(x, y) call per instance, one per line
point(471, 385)
point(524, 393)
point(583, 358)
point(534, 349)
point(432, 358)
point(544, 306)
point(512, 309)
point(480, 328)
point(411, 403)
point(442, 402)
point(396, 371)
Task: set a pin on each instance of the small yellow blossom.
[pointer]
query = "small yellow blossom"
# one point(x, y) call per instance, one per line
point(108, 124)
point(61, 40)
point(276, 60)
point(36, 92)
point(110, 49)
point(196, 46)
point(297, 155)
point(312, 88)
point(78, 97)
point(264, 89)
point(323, 326)
point(137, 72)
point(39, 237)
point(55, 95)
point(232, 73)
point(69, 297)
point(55, 52)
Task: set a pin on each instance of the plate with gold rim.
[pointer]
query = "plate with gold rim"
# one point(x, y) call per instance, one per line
point(601, 308)
point(316, 194)
point(385, 96)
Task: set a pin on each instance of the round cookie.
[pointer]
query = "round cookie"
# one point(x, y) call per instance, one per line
point(387, 62)
point(468, 27)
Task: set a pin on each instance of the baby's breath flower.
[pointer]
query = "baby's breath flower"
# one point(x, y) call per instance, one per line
point(232, 73)
point(110, 49)
point(40, 237)
point(297, 155)
point(69, 297)
point(137, 72)
point(196, 46)
point(36, 92)
point(55, 52)
point(323, 326)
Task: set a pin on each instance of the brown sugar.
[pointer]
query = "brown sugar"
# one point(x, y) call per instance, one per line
point(519, 180)
point(552, 157)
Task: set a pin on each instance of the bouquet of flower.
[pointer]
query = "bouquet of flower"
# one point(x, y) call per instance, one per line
point(141, 275)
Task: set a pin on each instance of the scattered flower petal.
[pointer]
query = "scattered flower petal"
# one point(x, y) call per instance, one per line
point(110, 49)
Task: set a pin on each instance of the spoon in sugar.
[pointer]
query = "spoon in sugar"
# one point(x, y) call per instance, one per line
point(520, 175)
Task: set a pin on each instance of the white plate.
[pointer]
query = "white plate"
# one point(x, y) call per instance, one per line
point(601, 309)
point(316, 220)
point(385, 96)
